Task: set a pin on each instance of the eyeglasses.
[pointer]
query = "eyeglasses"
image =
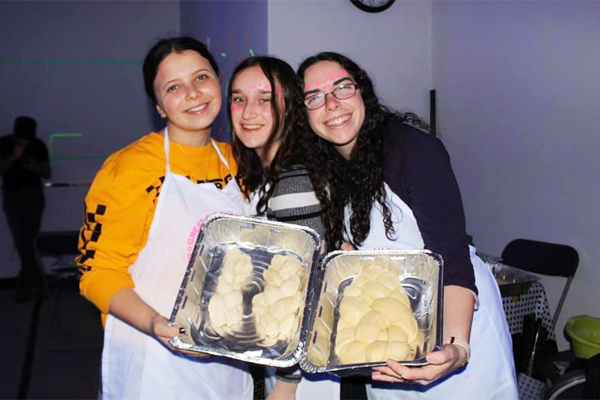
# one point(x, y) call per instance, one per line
point(341, 92)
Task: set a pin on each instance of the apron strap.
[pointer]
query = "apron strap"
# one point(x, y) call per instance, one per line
point(166, 145)
point(221, 156)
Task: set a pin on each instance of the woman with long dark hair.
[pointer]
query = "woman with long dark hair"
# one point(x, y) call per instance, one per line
point(266, 114)
point(142, 209)
point(384, 183)
point(267, 118)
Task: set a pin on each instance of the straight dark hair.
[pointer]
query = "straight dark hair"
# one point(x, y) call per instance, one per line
point(165, 47)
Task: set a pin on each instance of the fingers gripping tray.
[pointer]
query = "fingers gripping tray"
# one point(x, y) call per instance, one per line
point(244, 292)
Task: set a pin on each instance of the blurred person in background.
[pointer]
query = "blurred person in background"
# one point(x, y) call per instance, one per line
point(24, 164)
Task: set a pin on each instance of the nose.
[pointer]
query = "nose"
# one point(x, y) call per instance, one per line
point(331, 103)
point(192, 92)
point(249, 111)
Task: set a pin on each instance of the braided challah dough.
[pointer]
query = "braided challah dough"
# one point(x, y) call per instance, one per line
point(225, 306)
point(276, 308)
point(376, 320)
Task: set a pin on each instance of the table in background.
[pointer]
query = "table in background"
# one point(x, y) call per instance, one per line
point(528, 315)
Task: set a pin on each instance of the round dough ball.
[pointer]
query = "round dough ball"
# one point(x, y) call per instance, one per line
point(360, 280)
point(287, 266)
point(417, 342)
point(353, 353)
point(352, 309)
point(389, 280)
point(234, 254)
point(343, 337)
point(223, 287)
point(399, 351)
point(234, 316)
point(272, 294)
point(390, 309)
point(282, 308)
point(243, 266)
point(342, 324)
point(238, 281)
point(376, 351)
point(369, 327)
point(217, 310)
point(272, 277)
point(383, 335)
point(267, 325)
point(233, 298)
point(396, 334)
point(227, 275)
point(352, 291)
point(286, 327)
point(372, 272)
point(400, 294)
point(259, 304)
point(290, 286)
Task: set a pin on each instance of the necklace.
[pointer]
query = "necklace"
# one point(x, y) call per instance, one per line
point(182, 149)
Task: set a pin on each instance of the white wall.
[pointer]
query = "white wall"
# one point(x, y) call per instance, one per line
point(518, 88)
point(394, 47)
point(76, 68)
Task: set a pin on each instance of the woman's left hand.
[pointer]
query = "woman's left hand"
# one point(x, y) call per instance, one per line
point(441, 363)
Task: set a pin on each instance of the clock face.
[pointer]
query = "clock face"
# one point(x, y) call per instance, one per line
point(373, 6)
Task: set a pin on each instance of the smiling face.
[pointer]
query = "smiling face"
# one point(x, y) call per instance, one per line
point(251, 111)
point(338, 121)
point(188, 94)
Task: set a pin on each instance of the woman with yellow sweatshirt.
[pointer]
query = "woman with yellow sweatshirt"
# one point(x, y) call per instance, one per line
point(142, 214)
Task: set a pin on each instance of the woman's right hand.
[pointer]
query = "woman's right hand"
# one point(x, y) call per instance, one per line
point(163, 332)
point(127, 305)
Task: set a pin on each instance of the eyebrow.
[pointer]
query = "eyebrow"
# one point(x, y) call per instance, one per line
point(337, 82)
point(262, 91)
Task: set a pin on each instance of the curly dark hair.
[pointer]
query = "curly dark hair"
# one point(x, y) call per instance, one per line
point(290, 119)
point(358, 181)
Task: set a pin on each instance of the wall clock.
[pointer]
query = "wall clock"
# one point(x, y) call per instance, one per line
point(373, 6)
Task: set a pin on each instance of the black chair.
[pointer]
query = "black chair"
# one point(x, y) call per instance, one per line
point(539, 356)
point(545, 259)
point(62, 273)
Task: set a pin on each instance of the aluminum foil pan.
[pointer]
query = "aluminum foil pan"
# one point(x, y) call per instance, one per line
point(511, 280)
point(261, 240)
point(419, 273)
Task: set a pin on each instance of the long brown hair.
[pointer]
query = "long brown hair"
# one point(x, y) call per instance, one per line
point(290, 119)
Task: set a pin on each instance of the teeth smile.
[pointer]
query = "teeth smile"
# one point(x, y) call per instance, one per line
point(252, 126)
point(199, 108)
point(338, 121)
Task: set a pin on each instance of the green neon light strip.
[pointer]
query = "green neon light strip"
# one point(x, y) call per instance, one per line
point(55, 62)
point(59, 135)
point(71, 158)
point(251, 52)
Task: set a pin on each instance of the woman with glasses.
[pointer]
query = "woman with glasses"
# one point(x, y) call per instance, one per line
point(266, 115)
point(385, 184)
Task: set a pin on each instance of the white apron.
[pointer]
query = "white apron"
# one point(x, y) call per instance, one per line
point(490, 373)
point(312, 386)
point(137, 366)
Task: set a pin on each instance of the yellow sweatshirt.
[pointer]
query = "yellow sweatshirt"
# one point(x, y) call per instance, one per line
point(120, 205)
